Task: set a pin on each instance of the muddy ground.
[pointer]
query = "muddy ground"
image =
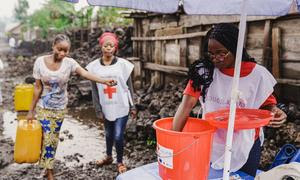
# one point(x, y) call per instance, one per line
point(140, 140)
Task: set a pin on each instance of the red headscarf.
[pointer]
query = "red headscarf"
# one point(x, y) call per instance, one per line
point(109, 36)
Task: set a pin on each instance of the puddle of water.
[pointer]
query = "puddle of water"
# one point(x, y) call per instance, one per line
point(87, 135)
point(9, 124)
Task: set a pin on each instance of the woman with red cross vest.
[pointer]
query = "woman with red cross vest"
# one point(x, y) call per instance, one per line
point(112, 104)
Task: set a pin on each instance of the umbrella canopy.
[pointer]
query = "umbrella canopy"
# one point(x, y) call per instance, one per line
point(229, 7)
point(202, 7)
point(161, 6)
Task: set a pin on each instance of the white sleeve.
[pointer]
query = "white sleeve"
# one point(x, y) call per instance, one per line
point(74, 64)
point(127, 68)
point(265, 86)
point(89, 67)
point(37, 68)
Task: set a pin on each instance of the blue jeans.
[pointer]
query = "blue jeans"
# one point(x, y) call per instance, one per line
point(252, 163)
point(114, 132)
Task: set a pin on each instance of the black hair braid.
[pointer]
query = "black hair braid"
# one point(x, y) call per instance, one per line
point(201, 73)
point(61, 37)
point(202, 70)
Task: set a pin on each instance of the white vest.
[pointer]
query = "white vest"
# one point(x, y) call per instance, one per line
point(255, 88)
point(114, 100)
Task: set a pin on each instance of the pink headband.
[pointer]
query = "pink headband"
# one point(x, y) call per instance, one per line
point(108, 36)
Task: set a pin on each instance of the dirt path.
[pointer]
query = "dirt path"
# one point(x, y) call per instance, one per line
point(74, 160)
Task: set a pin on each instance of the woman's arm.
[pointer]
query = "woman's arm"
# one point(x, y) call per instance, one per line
point(133, 110)
point(183, 111)
point(87, 75)
point(38, 88)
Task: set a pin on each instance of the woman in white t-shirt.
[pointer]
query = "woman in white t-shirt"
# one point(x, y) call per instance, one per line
point(112, 104)
point(52, 73)
point(210, 82)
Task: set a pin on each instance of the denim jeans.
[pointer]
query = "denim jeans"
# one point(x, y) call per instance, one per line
point(114, 132)
point(252, 163)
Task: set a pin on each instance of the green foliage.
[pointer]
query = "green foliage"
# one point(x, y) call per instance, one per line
point(20, 10)
point(55, 14)
point(151, 142)
point(111, 17)
point(59, 15)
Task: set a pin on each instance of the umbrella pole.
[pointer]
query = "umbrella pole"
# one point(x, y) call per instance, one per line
point(234, 91)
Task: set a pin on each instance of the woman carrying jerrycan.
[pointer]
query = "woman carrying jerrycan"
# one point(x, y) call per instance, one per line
point(209, 81)
point(52, 73)
point(113, 104)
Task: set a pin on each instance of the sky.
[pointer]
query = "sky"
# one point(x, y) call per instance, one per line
point(7, 6)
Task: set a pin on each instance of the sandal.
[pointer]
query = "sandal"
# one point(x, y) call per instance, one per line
point(121, 168)
point(105, 161)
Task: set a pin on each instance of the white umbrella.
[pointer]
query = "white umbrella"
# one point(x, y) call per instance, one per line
point(214, 7)
point(160, 6)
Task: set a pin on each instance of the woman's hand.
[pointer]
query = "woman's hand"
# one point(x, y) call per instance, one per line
point(279, 117)
point(30, 116)
point(133, 113)
point(110, 82)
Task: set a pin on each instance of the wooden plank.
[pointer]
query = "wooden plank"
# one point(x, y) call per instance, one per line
point(172, 54)
point(266, 45)
point(134, 43)
point(156, 23)
point(295, 82)
point(291, 43)
point(196, 20)
point(183, 52)
point(290, 70)
point(156, 80)
point(175, 70)
point(133, 58)
point(173, 37)
point(276, 52)
point(169, 31)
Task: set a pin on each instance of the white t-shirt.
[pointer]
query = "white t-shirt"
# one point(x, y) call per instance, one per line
point(55, 83)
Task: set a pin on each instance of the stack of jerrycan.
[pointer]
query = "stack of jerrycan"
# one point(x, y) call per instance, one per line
point(23, 97)
point(29, 133)
point(28, 141)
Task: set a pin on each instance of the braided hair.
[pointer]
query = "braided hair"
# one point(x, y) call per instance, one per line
point(61, 37)
point(201, 71)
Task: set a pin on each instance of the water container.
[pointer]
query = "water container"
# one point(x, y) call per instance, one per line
point(23, 97)
point(186, 154)
point(285, 155)
point(28, 142)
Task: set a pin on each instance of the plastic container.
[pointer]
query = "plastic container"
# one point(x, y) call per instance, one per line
point(285, 155)
point(23, 97)
point(184, 155)
point(28, 142)
point(244, 118)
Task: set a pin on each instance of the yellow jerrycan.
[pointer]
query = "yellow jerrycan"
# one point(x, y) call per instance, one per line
point(28, 142)
point(23, 97)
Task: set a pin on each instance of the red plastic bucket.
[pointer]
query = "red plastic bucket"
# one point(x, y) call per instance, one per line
point(184, 155)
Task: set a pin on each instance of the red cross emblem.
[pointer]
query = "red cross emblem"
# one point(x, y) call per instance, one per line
point(109, 91)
